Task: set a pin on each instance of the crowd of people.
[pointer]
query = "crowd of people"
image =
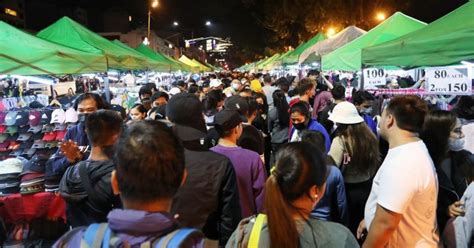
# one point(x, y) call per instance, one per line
point(249, 160)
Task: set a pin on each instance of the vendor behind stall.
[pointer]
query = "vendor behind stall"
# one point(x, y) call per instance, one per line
point(75, 146)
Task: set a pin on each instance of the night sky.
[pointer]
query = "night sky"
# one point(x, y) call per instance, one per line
point(230, 18)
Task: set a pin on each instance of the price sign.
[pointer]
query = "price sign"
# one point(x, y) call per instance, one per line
point(374, 77)
point(454, 80)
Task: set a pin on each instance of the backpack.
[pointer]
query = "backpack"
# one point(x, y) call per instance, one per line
point(101, 236)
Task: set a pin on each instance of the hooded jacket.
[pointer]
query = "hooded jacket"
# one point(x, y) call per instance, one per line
point(133, 228)
point(83, 206)
point(209, 198)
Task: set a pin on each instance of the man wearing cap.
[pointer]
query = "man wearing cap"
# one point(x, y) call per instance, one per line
point(251, 138)
point(249, 168)
point(216, 84)
point(211, 181)
point(75, 146)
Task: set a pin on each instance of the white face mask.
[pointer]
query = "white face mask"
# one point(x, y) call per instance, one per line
point(236, 86)
point(456, 145)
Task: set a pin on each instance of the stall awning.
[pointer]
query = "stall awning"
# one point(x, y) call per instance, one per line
point(348, 57)
point(25, 54)
point(448, 40)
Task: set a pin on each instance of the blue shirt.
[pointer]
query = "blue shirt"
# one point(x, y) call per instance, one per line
point(333, 205)
point(314, 125)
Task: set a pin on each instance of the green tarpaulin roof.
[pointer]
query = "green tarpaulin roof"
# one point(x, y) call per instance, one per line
point(175, 65)
point(25, 54)
point(156, 65)
point(294, 56)
point(316, 51)
point(448, 40)
point(348, 57)
point(69, 33)
point(205, 67)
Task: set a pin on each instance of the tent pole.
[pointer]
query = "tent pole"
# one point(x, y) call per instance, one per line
point(146, 76)
point(362, 83)
point(106, 82)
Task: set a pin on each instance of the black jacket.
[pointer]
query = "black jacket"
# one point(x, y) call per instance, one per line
point(452, 190)
point(86, 206)
point(209, 198)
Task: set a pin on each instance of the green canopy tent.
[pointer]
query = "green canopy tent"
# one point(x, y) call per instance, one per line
point(261, 65)
point(175, 65)
point(293, 57)
point(316, 51)
point(201, 65)
point(348, 57)
point(163, 66)
point(446, 41)
point(69, 33)
point(274, 63)
point(25, 54)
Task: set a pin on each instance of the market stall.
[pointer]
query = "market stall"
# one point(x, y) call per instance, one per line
point(349, 58)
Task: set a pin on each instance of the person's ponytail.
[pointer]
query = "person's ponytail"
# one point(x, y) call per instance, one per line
point(281, 225)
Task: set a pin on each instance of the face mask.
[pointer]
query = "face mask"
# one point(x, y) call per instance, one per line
point(300, 126)
point(456, 145)
point(109, 151)
point(235, 86)
point(82, 117)
point(366, 111)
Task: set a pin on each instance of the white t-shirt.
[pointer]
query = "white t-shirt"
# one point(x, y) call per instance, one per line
point(407, 184)
point(468, 130)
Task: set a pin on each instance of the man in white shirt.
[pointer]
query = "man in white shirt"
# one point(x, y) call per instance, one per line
point(401, 209)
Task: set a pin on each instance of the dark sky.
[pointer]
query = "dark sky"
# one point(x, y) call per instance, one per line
point(229, 17)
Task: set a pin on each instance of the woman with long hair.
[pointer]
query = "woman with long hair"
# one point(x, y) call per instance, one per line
point(355, 151)
point(295, 186)
point(443, 136)
point(278, 120)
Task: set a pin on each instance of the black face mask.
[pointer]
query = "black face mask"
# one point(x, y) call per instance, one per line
point(82, 117)
point(300, 126)
point(109, 151)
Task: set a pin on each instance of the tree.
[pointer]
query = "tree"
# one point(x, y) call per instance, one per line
point(291, 22)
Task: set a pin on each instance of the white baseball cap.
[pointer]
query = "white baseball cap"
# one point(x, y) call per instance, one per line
point(345, 113)
point(174, 91)
point(215, 83)
point(58, 116)
point(71, 116)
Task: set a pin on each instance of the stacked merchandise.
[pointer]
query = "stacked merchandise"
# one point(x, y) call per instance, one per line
point(29, 132)
point(33, 175)
point(10, 170)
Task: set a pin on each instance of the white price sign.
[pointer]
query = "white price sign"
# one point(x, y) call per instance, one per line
point(454, 80)
point(374, 77)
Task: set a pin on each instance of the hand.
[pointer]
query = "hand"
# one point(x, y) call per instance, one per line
point(71, 151)
point(361, 230)
point(456, 209)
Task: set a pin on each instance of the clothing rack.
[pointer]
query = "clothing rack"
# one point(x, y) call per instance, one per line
point(420, 92)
